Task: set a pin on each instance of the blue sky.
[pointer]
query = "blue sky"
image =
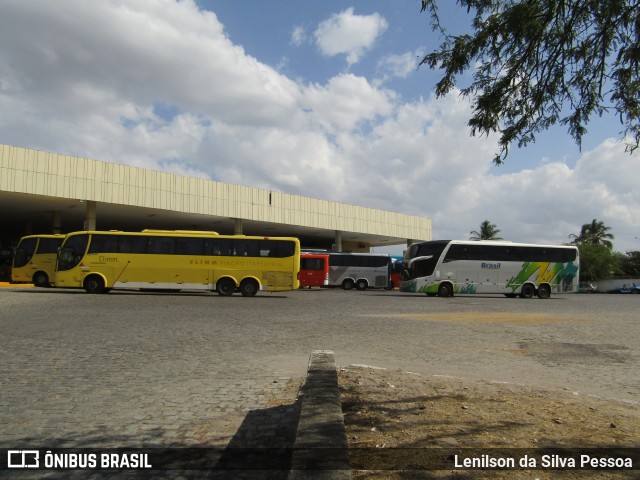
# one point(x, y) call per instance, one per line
point(322, 99)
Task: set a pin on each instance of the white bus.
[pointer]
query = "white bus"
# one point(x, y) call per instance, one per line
point(445, 267)
point(359, 270)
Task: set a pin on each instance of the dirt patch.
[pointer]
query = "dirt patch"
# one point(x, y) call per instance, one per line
point(394, 409)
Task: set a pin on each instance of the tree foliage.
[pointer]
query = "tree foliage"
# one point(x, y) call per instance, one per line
point(537, 63)
point(488, 231)
point(597, 262)
point(594, 233)
point(630, 264)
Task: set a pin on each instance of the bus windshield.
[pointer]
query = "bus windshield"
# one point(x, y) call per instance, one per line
point(72, 252)
point(421, 258)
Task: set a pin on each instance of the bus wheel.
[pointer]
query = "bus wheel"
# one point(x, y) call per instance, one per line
point(527, 291)
point(445, 290)
point(361, 285)
point(41, 279)
point(347, 284)
point(544, 291)
point(225, 287)
point(93, 284)
point(249, 288)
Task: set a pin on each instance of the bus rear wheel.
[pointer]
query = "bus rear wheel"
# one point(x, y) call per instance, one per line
point(249, 288)
point(94, 284)
point(41, 279)
point(544, 291)
point(445, 290)
point(361, 285)
point(527, 291)
point(226, 287)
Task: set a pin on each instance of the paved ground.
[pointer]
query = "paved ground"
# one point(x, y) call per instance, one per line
point(143, 369)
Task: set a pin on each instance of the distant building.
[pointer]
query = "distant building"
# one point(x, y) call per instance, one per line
point(44, 192)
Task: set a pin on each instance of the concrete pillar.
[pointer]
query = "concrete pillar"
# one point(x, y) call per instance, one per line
point(237, 227)
point(338, 241)
point(57, 222)
point(90, 216)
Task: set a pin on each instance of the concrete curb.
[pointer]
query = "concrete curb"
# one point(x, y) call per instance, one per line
point(15, 285)
point(320, 449)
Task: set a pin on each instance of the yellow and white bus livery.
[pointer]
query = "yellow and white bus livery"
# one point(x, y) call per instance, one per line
point(99, 261)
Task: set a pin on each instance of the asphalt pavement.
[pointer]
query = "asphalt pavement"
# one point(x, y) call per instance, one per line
point(132, 369)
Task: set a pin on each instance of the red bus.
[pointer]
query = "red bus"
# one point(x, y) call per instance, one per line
point(396, 271)
point(314, 270)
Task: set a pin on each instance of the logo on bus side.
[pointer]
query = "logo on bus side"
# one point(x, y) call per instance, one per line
point(103, 259)
point(490, 265)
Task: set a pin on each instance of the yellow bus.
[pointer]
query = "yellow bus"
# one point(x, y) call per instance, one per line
point(177, 260)
point(35, 259)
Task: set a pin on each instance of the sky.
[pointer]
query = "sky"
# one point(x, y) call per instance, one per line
point(321, 99)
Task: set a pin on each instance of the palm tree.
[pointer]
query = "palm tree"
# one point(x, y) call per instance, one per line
point(488, 231)
point(594, 233)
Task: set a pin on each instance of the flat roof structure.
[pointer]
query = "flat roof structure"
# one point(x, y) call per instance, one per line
point(44, 192)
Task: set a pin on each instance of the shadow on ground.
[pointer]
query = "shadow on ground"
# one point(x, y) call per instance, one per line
point(261, 448)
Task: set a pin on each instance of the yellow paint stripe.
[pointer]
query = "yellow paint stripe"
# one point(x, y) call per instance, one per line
point(15, 285)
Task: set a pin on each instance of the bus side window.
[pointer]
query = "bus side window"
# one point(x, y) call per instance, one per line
point(161, 245)
point(221, 246)
point(190, 246)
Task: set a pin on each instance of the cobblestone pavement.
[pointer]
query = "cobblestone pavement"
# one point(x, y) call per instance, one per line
point(131, 369)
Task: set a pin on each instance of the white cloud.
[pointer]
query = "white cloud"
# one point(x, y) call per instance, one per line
point(298, 36)
point(346, 101)
point(397, 66)
point(349, 34)
point(158, 84)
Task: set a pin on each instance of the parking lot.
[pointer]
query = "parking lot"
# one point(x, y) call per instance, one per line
point(149, 369)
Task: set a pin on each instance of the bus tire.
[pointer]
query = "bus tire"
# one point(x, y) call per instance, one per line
point(40, 279)
point(93, 284)
point(225, 287)
point(544, 291)
point(249, 287)
point(527, 291)
point(361, 284)
point(445, 290)
point(348, 284)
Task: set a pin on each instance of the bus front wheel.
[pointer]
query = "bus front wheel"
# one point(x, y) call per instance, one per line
point(249, 288)
point(527, 291)
point(347, 284)
point(94, 284)
point(41, 279)
point(544, 291)
point(445, 290)
point(226, 287)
